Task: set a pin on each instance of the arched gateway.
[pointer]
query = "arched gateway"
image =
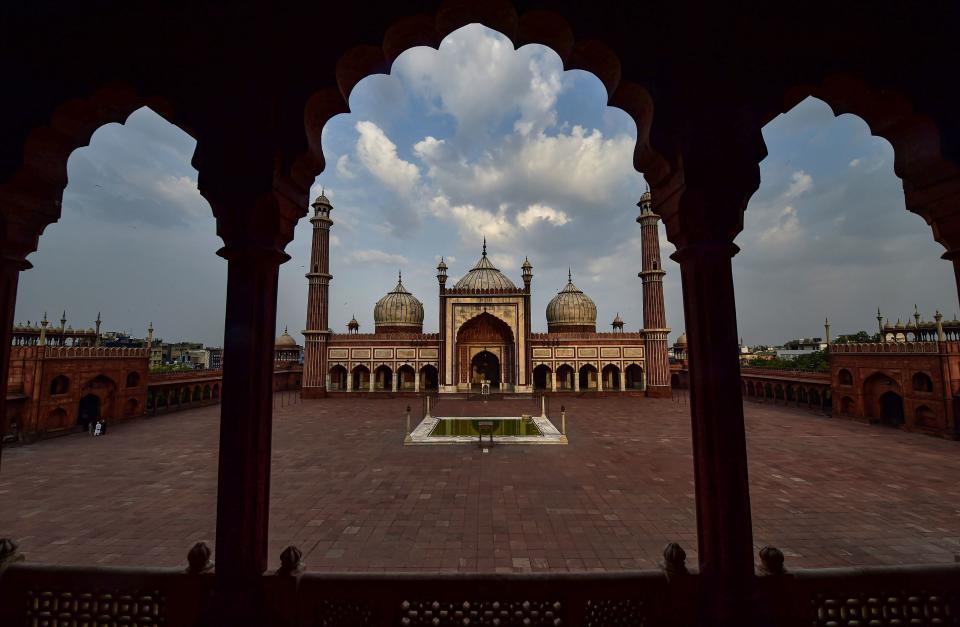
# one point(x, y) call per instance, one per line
point(486, 352)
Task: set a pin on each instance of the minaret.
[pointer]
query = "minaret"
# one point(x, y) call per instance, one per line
point(527, 268)
point(150, 336)
point(654, 313)
point(96, 340)
point(826, 330)
point(43, 330)
point(318, 300)
point(442, 361)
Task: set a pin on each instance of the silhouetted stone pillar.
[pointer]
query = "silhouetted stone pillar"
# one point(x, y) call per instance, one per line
point(702, 207)
point(724, 529)
point(9, 278)
point(255, 222)
point(246, 408)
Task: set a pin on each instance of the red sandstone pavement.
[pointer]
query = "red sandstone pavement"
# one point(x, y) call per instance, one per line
point(828, 492)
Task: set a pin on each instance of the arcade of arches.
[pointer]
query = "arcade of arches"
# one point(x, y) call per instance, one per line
point(255, 90)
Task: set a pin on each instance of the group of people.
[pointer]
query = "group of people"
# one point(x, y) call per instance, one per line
point(97, 427)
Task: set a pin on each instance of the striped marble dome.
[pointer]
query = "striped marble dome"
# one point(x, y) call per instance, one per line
point(485, 276)
point(398, 311)
point(571, 310)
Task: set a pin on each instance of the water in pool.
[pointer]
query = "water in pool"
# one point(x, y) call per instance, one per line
point(501, 427)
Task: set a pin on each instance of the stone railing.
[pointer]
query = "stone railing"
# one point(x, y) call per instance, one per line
point(561, 337)
point(893, 347)
point(405, 337)
point(921, 596)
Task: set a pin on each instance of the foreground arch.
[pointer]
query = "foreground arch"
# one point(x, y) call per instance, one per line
point(258, 135)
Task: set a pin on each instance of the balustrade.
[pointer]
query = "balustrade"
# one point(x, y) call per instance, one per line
point(37, 594)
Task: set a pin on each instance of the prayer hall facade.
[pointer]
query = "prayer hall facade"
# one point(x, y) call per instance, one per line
point(485, 334)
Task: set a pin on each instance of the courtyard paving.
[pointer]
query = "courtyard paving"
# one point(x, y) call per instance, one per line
point(828, 492)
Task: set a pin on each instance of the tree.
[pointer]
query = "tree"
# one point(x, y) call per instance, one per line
point(811, 361)
point(859, 337)
point(170, 368)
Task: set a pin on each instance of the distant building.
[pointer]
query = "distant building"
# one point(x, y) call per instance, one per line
point(216, 357)
point(173, 352)
point(59, 381)
point(198, 358)
point(286, 349)
point(803, 346)
point(911, 380)
point(118, 339)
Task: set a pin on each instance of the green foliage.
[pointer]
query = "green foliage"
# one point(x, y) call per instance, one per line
point(859, 337)
point(170, 368)
point(812, 361)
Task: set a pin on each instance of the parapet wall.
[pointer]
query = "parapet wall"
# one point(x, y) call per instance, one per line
point(76, 352)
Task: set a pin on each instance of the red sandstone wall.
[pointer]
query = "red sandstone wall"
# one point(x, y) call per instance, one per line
point(860, 399)
point(100, 371)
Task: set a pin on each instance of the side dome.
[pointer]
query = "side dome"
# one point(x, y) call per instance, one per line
point(286, 340)
point(571, 310)
point(398, 312)
point(485, 276)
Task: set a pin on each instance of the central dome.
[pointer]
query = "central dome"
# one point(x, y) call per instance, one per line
point(571, 310)
point(398, 312)
point(485, 276)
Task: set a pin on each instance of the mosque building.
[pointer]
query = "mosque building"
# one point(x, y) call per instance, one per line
point(485, 333)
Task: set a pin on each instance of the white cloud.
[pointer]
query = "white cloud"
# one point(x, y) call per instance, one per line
point(334, 241)
point(374, 256)
point(429, 148)
point(504, 262)
point(801, 183)
point(474, 222)
point(583, 166)
point(479, 79)
point(785, 232)
point(379, 155)
point(537, 106)
point(541, 213)
point(854, 163)
point(343, 168)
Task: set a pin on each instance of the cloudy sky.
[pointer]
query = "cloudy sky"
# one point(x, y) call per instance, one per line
point(478, 139)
